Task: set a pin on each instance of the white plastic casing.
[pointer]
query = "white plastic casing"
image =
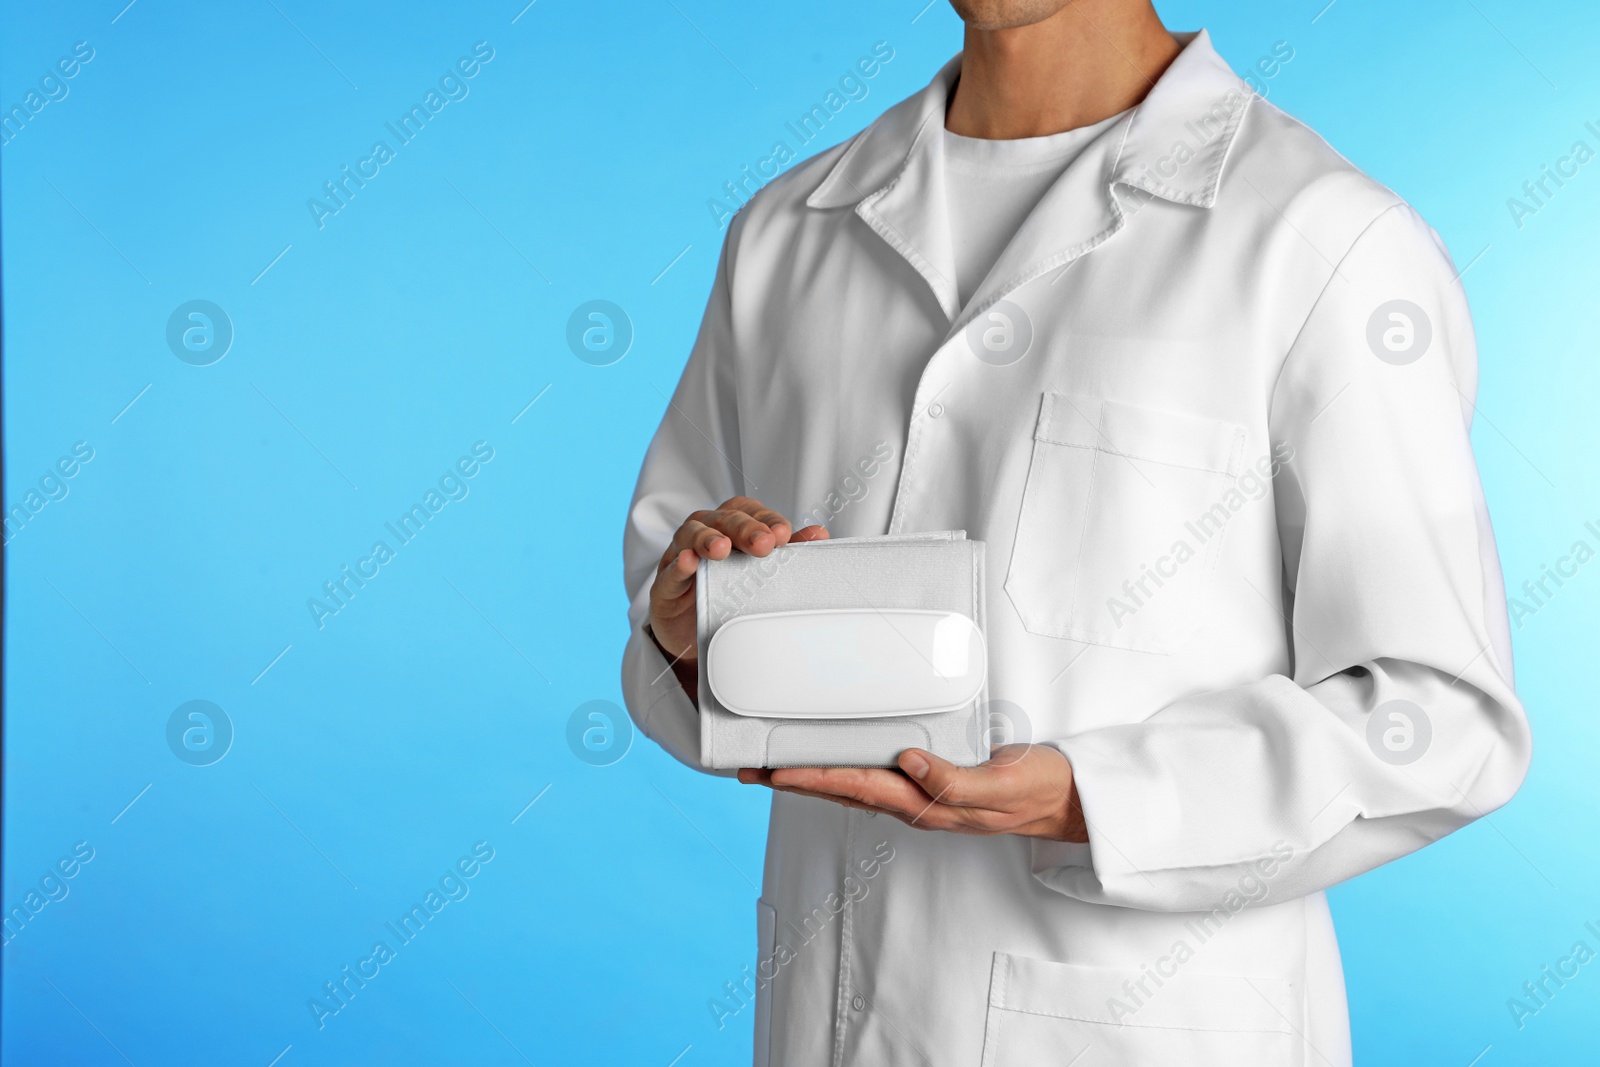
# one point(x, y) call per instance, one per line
point(846, 664)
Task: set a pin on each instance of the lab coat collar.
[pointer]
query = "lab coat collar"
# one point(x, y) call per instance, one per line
point(1173, 145)
point(1179, 136)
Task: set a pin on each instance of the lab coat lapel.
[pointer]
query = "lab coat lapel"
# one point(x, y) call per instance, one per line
point(1173, 146)
point(1077, 214)
point(892, 174)
point(911, 214)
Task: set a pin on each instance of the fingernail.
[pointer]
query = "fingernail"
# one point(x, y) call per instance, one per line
point(914, 765)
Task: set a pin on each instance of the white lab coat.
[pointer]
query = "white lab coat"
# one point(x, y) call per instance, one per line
point(1232, 515)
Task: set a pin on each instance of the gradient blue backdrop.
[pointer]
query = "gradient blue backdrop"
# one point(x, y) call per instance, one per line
point(369, 354)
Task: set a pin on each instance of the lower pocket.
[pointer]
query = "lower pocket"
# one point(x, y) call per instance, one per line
point(1043, 1012)
point(766, 946)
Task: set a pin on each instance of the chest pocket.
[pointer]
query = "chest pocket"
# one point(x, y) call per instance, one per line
point(1122, 519)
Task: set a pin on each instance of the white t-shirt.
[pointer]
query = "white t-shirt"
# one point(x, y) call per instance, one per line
point(992, 186)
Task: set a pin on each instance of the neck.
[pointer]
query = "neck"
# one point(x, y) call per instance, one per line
point(1087, 62)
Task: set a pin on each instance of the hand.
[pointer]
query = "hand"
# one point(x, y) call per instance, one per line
point(739, 523)
point(1023, 789)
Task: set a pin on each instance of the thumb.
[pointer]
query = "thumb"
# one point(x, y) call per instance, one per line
point(943, 780)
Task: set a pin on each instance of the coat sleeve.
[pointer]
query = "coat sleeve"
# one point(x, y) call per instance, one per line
point(1398, 723)
point(692, 463)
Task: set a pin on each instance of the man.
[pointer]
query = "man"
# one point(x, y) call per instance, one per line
point(1204, 389)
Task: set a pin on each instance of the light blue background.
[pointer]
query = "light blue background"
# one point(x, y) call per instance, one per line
point(423, 318)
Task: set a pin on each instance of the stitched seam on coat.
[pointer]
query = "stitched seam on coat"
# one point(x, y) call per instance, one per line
point(1070, 255)
point(991, 1043)
point(1122, 145)
point(1083, 529)
point(836, 174)
point(846, 930)
point(907, 461)
point(913, 433)
point(902, 244)
point(886, 230)
point(980, 748)
point(1067, 255)
point(1207, 196)
point(1289, 352)
point(999, 974)
point(1141, 1026)
point(1229, 137)
point(1227, 472)
point(1235, 456)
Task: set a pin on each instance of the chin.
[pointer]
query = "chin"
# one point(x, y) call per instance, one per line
point(1005, 14)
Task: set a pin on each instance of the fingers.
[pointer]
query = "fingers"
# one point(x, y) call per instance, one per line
point(780, 527)
point(884, 792)
point(693, 541)
point(1019, 791)
point(761, 776)
point(890, 793)
point(846, 802)
point(752, 526)
point(866, 785)
point(738, 523)
point(983, 786)
point(733, 529)
point(703, 537)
